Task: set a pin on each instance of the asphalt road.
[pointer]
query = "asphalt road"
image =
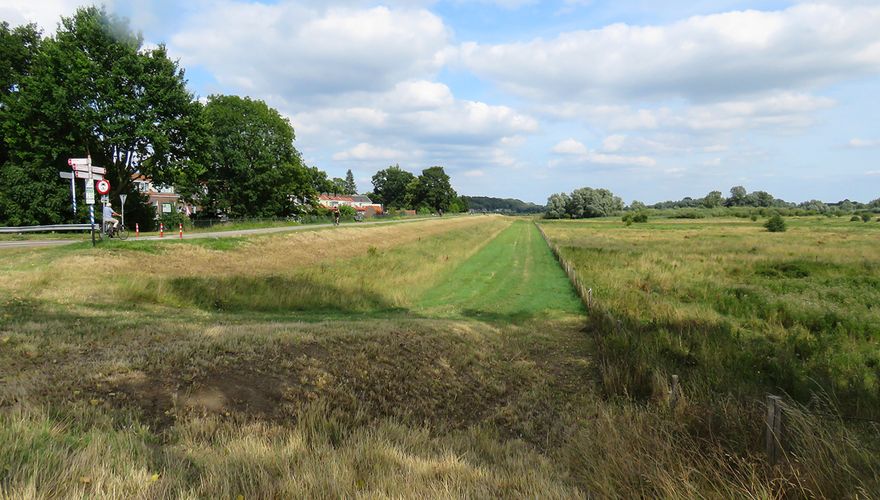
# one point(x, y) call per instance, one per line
point(173, 235)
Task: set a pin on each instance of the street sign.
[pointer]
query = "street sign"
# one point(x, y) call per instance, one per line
point(85, 175)
point(78, 161)
point(122, 198)
point(79, 175)
point(103, 186)
point(85, 168)
point(90, 193)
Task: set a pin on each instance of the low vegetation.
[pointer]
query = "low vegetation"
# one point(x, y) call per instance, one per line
point(435, 358)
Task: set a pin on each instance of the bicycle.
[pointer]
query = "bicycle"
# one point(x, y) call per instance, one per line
point(119, 231)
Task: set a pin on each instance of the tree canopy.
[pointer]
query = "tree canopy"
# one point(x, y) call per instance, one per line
point(89, 90)
point(390, 187)
point(583, 203)
point(251, 168)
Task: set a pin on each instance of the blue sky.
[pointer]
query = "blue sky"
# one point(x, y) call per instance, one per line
point(518, 98)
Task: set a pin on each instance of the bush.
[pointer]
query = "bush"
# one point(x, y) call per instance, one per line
point(754, 218)
point(640, 217)
point(346, 212)
point(855, 218)
point(775, 224)
point(172, 219)
point(866, 217)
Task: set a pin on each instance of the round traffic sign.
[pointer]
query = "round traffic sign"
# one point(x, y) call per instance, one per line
point(103, 186)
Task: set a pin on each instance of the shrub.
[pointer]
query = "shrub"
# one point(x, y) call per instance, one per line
point(640, 217)
point(855, 218)
point(754, 217)
point(775, 224)
point(866, 217)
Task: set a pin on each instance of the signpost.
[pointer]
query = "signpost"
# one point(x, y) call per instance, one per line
point(122, 198)
point(82, 168)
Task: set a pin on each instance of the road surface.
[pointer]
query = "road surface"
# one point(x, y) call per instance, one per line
point(173, 235)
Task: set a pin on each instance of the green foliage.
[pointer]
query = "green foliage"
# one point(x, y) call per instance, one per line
point(350, 185)
point(432, 189)
point(390, 187)
point(775, 224)
point(855, 218)
point(251, 166)
point(93, 90)
point(505, 205)
point(583, 203)
point(866, 217)
point(172, 220)
point(638, 217)
point(347, 212)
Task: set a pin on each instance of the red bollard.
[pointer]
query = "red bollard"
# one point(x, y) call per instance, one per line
point(181, 231)
point(161, 229)
point(137, 230)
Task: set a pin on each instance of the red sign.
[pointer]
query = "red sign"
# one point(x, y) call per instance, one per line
point(103, 186)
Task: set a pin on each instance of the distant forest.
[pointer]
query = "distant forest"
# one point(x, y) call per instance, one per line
point(506, 205)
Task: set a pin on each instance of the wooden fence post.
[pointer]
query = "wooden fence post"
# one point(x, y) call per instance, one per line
point(673, 392)
point(773, 429)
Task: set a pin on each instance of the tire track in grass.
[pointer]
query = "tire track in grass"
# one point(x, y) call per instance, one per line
point(513, 278)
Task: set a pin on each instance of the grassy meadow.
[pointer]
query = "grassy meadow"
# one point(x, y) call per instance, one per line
point(438, 358)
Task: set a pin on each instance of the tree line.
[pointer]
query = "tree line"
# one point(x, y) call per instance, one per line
point(93, 89)
point(398, 189)
point(588, 202)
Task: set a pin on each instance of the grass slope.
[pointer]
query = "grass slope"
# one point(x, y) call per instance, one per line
point(513, 278)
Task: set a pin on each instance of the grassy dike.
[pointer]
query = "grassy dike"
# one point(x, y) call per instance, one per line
point(296, 365)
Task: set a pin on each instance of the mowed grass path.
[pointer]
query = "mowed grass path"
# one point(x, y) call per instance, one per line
point(513, 278)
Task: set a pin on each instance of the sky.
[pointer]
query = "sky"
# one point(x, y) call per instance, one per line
point(522, 98)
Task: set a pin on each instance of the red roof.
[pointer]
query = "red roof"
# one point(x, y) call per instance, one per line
point(328, 197)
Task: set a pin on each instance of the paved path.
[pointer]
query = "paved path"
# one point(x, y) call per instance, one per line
point(173, 235)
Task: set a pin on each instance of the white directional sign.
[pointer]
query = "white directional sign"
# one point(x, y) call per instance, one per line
point(90, 193)
point(79, 161)
point(85, 168)
point(79, 175)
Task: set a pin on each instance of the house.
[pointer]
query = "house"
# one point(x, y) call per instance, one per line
point(358, 202)
point(163, 198)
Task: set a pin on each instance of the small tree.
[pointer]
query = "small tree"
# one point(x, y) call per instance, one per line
point(866, 217)
point(775, 224)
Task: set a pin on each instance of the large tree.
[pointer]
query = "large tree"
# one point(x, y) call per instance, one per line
point(251, 166)
point(92, 89)
point(390, 187)
point(582, 203)
point(433, 190)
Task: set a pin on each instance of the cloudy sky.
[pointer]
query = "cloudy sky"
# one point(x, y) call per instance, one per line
point(523, 98)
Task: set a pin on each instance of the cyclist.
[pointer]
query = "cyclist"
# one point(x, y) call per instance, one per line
point(109, 221)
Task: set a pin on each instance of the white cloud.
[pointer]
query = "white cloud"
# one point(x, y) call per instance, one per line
point(297, 51)
point(863, 143)
point(364, 151)
point(570, 147)
point(46, 13)
point(577, 151)
point(702, 58)
point(474, 173)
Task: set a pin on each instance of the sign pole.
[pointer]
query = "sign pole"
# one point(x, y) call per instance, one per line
point(122, 197)
point(73, 191)
point(92, 204)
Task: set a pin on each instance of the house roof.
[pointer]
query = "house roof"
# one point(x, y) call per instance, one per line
point(332, 197)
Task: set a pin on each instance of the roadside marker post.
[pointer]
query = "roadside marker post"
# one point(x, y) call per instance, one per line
point(137, 230)
point(181, 230)
point(161, 229)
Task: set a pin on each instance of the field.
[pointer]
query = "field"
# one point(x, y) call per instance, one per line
point(439, 358)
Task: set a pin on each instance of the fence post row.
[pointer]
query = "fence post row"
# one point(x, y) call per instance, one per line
point(586, 297)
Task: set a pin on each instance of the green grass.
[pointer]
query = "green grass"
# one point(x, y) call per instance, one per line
point(741, 310)
point(513, 278)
